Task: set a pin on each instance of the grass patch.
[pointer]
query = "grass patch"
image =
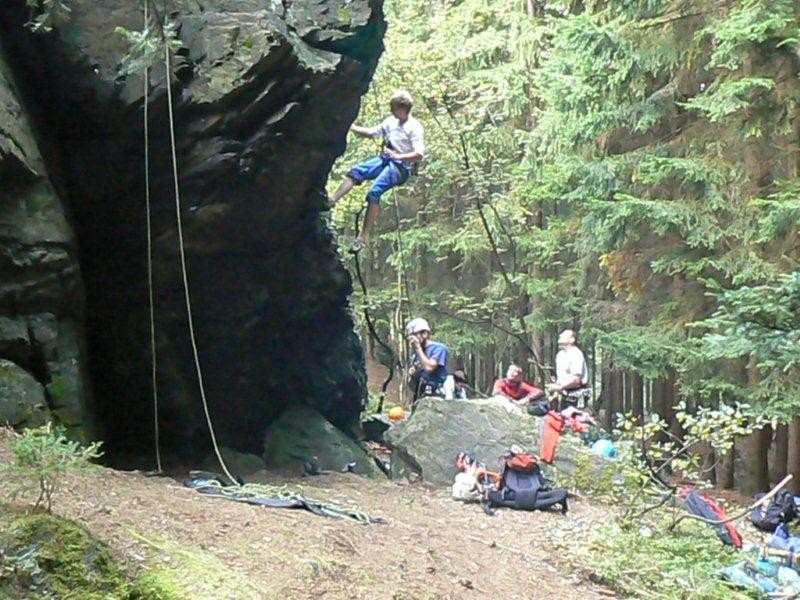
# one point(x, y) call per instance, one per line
point(648, 562)
point(193, 573)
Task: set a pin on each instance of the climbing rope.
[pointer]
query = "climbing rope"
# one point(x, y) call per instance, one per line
point(371, 326)
point(403, 294)
point(282, 492)
point(150, 256)
point(195, 353)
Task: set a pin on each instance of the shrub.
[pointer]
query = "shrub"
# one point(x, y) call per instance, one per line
point(40, 458)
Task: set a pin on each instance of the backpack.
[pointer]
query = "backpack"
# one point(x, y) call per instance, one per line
point(781, 509)
point(538, 408)
point(523, 487)
point(702, 506)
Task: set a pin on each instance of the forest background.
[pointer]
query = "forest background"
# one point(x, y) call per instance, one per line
point(629, 169)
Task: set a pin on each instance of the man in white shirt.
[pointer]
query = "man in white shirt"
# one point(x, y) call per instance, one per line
point(572, 374)
point(404, 145)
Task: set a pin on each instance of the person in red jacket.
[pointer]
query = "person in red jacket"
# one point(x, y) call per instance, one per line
point(516, 389)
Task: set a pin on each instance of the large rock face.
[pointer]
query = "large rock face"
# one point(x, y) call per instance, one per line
point(427, 443)
point(264, 94)
point(42, 366)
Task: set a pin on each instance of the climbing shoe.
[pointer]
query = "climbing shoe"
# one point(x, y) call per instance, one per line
point(357, 246)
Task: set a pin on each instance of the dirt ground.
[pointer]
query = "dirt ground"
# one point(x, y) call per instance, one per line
point(432, 546)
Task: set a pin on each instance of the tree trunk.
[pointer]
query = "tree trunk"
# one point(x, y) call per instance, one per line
point(752, 474)
point(637, 396)
point(793, 454)
point(611, 400)
point(723, 473)
point(659, 400)
point(780, 454)
point(707, 458)
point(666, 406)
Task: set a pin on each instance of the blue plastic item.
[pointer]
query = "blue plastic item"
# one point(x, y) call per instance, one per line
point(736, 574)
point(783, 541)
point(604, 448)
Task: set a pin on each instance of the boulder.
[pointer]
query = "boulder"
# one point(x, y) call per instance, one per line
point(426, 444)
point(303, 434)
point(238, 463)
point(22, 400)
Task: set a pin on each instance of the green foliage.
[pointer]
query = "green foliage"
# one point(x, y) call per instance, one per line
point(597, 167)
point(45, 14)
point(640, 562)
point(762, 325)
point(40, 458)
point(650, 454)
point(146, 47)
point(590, 476)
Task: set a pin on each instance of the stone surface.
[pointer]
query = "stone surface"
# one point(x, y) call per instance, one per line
point(39, 273)
point(426, 444)
point(239, 463)
point(303, 434)
point(264, 95)
point(15, 343)
point(22, 401)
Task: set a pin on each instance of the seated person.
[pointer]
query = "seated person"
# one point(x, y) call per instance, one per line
point(514, 388)
point(461, 381)
point(571, 384)
point(428, 370)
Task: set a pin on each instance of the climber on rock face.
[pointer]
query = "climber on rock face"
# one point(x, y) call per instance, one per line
point(403, 147)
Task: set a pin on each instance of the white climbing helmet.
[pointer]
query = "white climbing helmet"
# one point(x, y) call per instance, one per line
point(416, 326)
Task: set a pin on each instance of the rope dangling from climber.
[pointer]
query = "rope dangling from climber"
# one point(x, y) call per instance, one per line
point(404, 147)
point(395, 360)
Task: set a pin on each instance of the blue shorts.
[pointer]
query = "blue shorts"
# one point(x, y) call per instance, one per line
point(385, 172)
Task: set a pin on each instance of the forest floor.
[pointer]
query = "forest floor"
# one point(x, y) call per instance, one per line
point(431, 547)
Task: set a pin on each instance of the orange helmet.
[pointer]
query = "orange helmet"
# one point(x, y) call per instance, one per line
point(396, 413)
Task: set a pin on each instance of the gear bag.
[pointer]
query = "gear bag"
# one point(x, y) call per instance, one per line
point(781, 509)
point(523, 487)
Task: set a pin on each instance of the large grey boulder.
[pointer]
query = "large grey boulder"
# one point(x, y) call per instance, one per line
point(303, 434)
point(426, 444)
point(22, 401)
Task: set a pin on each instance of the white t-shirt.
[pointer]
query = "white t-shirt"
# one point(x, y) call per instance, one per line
point(570, 362)
point(405, 138)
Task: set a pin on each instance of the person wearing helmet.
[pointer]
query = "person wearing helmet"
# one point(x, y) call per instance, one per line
point(572, 375)
point(403, 149)
point(428, 370)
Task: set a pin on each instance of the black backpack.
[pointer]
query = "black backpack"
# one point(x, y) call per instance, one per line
point(538, 408)
point(781, 509)
point(525, 489)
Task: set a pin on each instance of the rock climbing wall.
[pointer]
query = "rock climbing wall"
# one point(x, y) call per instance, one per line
point(264, 95)
point(42, 371)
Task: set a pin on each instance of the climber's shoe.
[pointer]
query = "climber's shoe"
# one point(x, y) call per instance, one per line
point(357, 246)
